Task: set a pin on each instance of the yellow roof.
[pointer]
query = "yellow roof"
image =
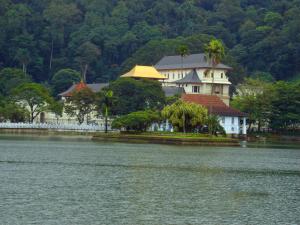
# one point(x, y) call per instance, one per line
point(144, 72)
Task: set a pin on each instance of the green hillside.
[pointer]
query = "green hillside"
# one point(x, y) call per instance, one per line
point(105, 37)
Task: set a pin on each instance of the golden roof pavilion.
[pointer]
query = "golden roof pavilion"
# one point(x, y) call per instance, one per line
point(147, 72)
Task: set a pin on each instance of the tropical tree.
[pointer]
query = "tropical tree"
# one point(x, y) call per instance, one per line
point(183, 51)
point(81, 104)
point(136, 95)
point(285, 113)
point(215, 52)
point(254, 97)
point(136, 121)
point(63, 79)
point(213, 124)
point(87, 53)
point(34, 97)
point(13, 112)
point(185, 115)
point(106, 102)
point(11, 78)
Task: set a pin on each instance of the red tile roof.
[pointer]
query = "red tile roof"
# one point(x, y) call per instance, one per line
point(213, 103)
point(74, 88)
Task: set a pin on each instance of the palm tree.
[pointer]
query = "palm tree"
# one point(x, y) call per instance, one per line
point(107, 102)
point(183, 51)
point(215, 52)
point(184, 114)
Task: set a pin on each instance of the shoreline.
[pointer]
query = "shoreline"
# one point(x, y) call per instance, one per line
point(127, 138)
point(167, 139)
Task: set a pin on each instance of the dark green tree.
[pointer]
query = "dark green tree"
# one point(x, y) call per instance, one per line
point(63, 79)
point(81, 104)
point(135, 95)
point(35, 97)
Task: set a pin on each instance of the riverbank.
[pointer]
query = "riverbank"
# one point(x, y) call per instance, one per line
point(147, 137)
point(167, 138)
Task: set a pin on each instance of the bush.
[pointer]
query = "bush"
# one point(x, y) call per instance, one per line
point(136, 121)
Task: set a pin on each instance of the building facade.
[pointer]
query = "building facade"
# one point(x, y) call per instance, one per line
point(195, 75)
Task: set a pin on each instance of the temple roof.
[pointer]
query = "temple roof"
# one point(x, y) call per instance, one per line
point(191, 77)
point(213, 104)
point(192, 61)
point(144, 72)
point(77, 87)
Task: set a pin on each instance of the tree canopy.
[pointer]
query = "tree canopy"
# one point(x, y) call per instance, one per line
point(132, 95)
point(43, 37)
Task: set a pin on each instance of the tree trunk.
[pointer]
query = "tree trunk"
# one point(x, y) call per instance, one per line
point(183, 123)
point(51, 55)
point(106, 115)
point(85, 72)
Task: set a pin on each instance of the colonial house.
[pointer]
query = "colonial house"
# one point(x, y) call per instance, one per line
point(195, 75)
point(195, 80)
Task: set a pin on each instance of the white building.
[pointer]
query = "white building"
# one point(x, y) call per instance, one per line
point(195, 75)
point(196, 81)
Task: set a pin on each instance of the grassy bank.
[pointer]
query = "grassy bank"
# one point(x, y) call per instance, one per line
point(147, 137)
point(167, 138)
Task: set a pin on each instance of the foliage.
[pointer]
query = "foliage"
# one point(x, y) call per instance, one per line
point(185, 116)
point(35, 97)
point(214, 126)
point(11, 78)
point(45, 36)
point(269, 105)
point(81, 104)
point(12, 112)
point(254, 97)
point(215, 51)
point(285, 112)
point(63, 79)
point(132, 95)
point(105, 103)
point(136, 121)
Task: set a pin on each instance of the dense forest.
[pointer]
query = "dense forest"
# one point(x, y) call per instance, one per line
point(102, 38)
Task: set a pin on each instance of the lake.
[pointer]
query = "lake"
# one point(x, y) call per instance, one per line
point(58, 181)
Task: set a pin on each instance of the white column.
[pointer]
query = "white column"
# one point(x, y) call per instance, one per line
point(244, 126)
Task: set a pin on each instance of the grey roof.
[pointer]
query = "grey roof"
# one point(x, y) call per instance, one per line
point(97, 87)
point(191, 77)
point(190, 61)
point(94, 87)
point(172, 90)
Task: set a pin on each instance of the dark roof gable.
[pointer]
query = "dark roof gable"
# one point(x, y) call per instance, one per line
point(190, 61)
point(191, 77)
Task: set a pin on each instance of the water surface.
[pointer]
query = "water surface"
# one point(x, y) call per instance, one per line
point(75, 181)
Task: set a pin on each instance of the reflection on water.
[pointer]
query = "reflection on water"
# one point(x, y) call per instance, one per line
point(75, 181)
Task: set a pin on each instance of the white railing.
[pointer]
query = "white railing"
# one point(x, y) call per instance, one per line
point(77, 127)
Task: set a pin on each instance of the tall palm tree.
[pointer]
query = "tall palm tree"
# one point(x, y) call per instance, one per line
point(183, 51)
point(214, 52)
point(107, 103)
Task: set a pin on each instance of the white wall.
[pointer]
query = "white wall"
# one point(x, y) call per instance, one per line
point(229, 127)
point(177, 74)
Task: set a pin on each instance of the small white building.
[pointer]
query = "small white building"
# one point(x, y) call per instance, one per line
point(233, 121)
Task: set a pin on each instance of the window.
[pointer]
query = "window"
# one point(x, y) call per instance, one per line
point(173, 76)
point(212, 75)
point(232, 128)
point(196, 89)
point(223, 120)
point(205, 74)
point(232, 120)
point(222, 75)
